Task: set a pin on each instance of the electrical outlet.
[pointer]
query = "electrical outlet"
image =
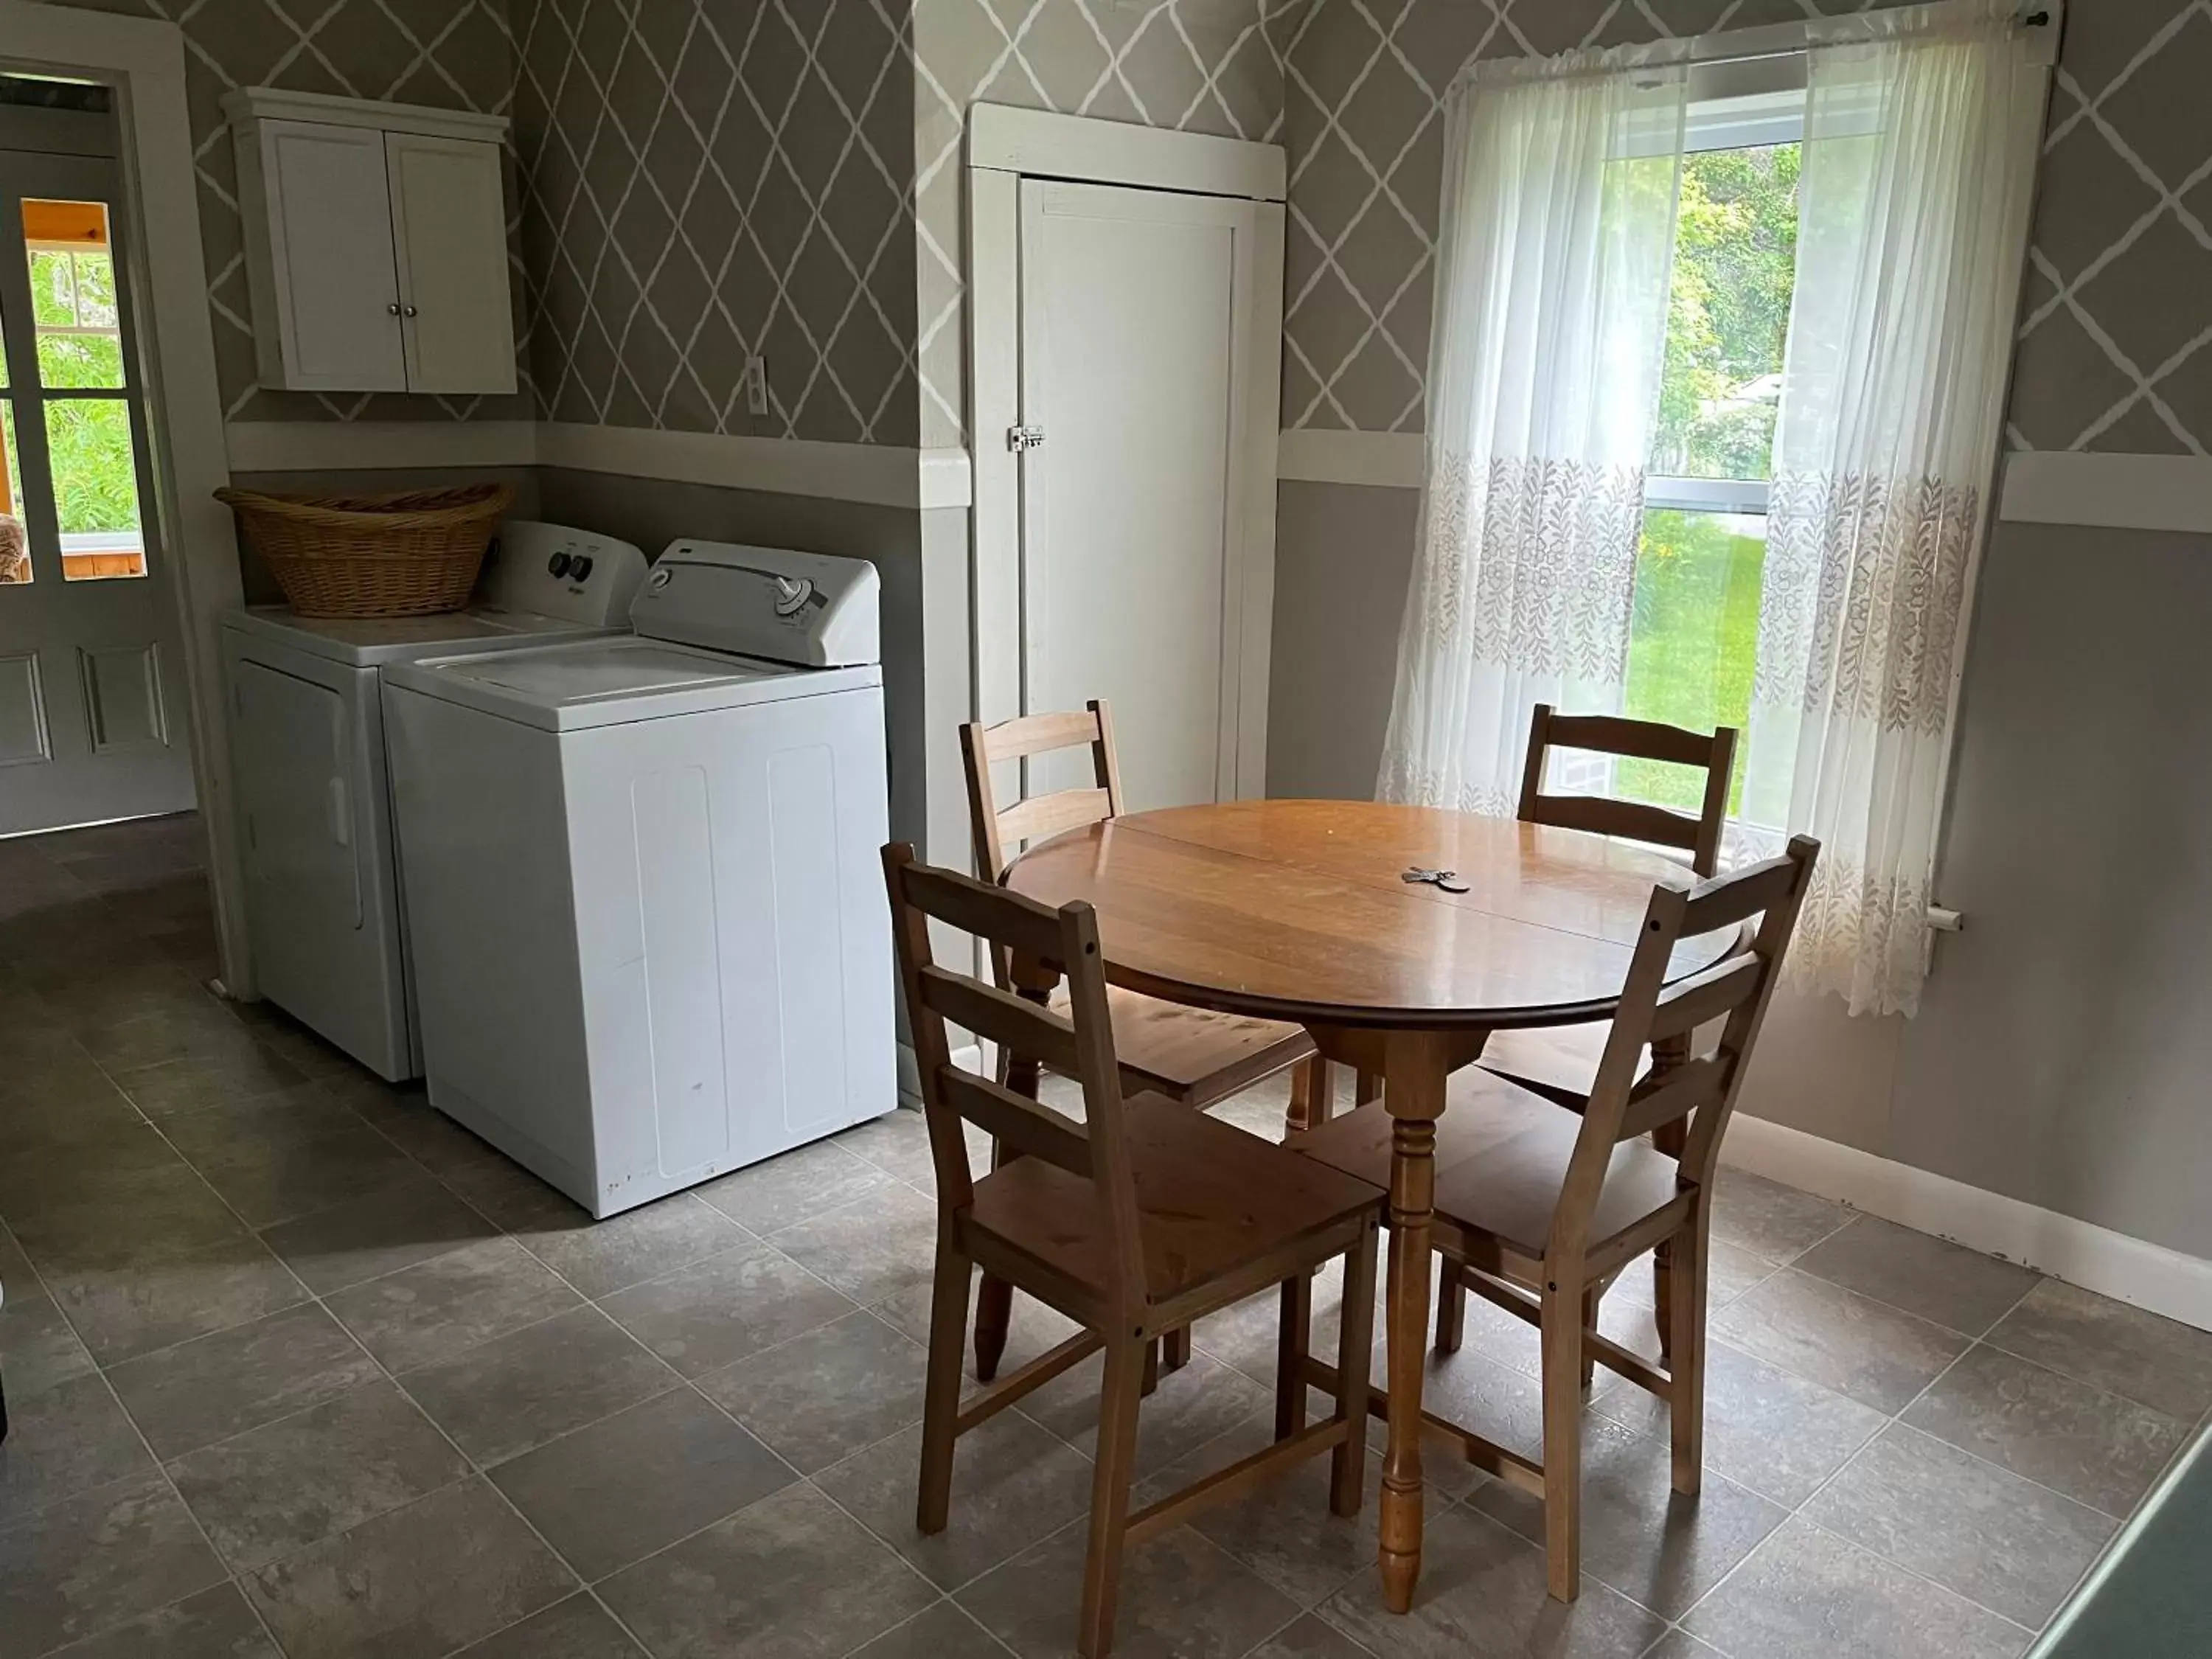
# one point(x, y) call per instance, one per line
point(756, 385)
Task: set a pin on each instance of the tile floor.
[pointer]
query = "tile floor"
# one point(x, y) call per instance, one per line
point(297, 1368)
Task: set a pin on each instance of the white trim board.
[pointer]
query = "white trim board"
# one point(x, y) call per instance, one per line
point(334, 446)
point(327, 109)
point(2113, 491)
point(2078, 1252)
point(1388, 460)
point(1004, 139)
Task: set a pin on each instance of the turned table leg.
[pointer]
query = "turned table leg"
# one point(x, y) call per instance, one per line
point(1415, 1097)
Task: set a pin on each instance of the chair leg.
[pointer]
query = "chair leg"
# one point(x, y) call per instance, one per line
point(1355, 1359)
point(1670, 1139)
point(1451, 1308)
point(1174, 1350)
point(1293, 1338)
point(1687, 1268)
point(940, 1404)
point(1110, 1494)
point(1563, 1448)
point(1313, 1096)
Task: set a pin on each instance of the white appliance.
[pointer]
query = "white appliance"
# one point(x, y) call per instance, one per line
point(643, 883)
point(323, 905)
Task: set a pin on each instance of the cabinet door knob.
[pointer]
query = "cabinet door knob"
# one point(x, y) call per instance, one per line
point(411, 311)
point(393, 308)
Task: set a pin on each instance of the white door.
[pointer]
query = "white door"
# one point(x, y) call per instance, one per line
point(92, 692)
point(1148, 322)
point(449, 235)
point(334, 283)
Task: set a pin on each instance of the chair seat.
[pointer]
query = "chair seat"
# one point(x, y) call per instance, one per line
point(1211, 1199)
point(1502, 1155)
point(1193, 1054)
point(1554, 1060)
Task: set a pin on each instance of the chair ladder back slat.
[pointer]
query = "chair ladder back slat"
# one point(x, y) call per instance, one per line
point(1044, 816)
point(1742, 895)
point(1659, 1101)
point(988, 912)
point(1632, 739)
point(1014, 1024)
point(998, 831)
point(1706, 996)
point(1021, 1123)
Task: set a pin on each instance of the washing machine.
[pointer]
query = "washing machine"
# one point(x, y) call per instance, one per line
point(307, 747)
point(643, 880)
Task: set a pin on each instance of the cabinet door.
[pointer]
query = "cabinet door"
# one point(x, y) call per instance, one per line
point(449, 221)
point(334, 278)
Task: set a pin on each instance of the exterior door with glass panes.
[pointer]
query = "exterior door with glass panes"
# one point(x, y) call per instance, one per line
point(92, 694)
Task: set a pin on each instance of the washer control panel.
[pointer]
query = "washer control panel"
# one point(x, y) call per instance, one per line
point(810, 609)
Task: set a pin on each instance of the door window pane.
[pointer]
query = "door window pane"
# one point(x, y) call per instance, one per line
point(95, 471)
point(73, 307)
point(1692, 641)
point(14, 537)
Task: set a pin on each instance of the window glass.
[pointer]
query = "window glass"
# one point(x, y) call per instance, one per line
point(14, 537)
point(1735, 266)
point(1692, 641)
point(95, 472)
point(79, 333)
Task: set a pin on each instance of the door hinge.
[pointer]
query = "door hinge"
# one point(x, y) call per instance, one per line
point(1022, 438)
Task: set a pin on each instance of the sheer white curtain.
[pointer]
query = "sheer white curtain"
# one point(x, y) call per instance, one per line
point(1561, 179)
point(1919, 161)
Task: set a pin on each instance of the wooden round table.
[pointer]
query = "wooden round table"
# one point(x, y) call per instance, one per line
point(1298, 911)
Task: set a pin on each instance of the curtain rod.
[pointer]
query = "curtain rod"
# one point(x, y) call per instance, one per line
point(1775, 39)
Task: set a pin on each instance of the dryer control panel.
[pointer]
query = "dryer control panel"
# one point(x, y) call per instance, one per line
point(810, 609)
point(554, 570)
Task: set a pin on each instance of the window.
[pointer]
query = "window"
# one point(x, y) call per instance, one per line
point(1695, 628)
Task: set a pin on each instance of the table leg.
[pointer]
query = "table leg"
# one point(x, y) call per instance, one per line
point(1667, 1054)
point(1414, 1095)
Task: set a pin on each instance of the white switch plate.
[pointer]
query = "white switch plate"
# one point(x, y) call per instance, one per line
point(756, 385)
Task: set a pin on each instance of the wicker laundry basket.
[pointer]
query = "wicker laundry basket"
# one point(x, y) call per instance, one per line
point(412, 554)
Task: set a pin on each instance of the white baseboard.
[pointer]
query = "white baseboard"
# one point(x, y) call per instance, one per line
point(2095, 1258)
point(969, 1059)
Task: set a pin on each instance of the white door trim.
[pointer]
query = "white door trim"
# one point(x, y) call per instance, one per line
point(1005, 146)
point(143, 60)
point(1078, 146)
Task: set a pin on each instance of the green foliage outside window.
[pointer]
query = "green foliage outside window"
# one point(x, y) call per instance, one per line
point(94, 472)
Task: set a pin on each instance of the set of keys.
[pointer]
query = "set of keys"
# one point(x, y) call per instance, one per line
point(1445, 881)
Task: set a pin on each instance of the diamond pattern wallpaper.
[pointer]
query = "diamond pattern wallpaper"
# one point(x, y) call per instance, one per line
point(708, 183)
point(2116, 350)
point(449, 54)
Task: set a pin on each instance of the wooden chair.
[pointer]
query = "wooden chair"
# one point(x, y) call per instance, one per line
point(1140, 1219)
point(1190, 1055)
point(1527, 1196)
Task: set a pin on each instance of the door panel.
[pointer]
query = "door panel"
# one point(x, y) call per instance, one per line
point(448, 223)
point(1132, 366)
point(88, 620)
point(337, 284)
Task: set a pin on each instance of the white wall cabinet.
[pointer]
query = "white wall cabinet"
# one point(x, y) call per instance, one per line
point(376, 243)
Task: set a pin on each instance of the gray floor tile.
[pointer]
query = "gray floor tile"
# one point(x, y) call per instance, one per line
point(2154, 1362)
point(1807, 1595)
point(445, 1571)
point(214, 1386)
point(256, 1124)
point(1941, 1282)
point(216, 1623)
point(1680, 1644)
point(90, 1562)
point(716, 1312)
point(1877, 1355)
point(1659, 1549)
point(191, 1085)
point(601, 1257)
point(1777, 1223)
point(1012, 1483)
point(410, 1121)
point(870, 1248)
point(2006, 1543)
point(1181, 1598)
point(1309, 1637)
point(1190, 1408)
point(277, 1183)
point(1730, 1271)
point(520, 1390)
point(771, 1196)
point(122, 1312)
point(510, 1194)
point(1765, 1429)
point(942, 1631)
point(1034, 1328)
point(897, 1143)
point(1481, 1595)
point(1284, 1529)
point(63, 1440)
point(789, 1578)
point(578, 1628)
point(37, 1349)
point(131, 1216)
point(827, 1393)
point(2092, 1446)
point(609, 1494)
point(446, 1305)
point(367, 1237)
point(275, 1490)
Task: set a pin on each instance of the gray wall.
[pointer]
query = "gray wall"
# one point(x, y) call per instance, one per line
point(2062, 1049)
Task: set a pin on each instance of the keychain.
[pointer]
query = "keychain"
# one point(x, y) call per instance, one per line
point(1444, 880)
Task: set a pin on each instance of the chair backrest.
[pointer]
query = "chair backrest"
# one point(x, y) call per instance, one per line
point(1000, 832)
point(1079, 1045)
point(1736, 989)
point(1607, 734)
